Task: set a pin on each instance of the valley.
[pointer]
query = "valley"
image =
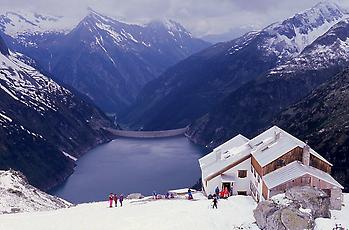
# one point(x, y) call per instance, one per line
point(124, 101)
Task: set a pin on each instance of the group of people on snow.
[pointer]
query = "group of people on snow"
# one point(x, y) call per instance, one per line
point(168, 195)
point(219, 194)
point(224, 193)
point(115, 198)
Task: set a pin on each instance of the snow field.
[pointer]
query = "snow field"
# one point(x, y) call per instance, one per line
point(140, 214)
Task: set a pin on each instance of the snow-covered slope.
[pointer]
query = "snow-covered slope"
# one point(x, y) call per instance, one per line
point(142, 214)
point(236, 213)
point(40, 119)
point(330, 50)
point(27, 22)
point(288, 38)
point(28, 86)
point(16, 195)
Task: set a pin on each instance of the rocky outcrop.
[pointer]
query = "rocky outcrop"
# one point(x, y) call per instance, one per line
point(135, 196)
point(297, 209)
point(3, 47)
point(311, 198)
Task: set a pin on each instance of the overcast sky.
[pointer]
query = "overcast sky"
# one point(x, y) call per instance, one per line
point(201, 17)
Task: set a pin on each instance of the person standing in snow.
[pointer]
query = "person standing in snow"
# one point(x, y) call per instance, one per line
point(217, 191)
point(226, 193)
point(111, 198)
point(115, 199)
point(190, 195)
point(154, 195)
point(215, 201)
point(121, 198)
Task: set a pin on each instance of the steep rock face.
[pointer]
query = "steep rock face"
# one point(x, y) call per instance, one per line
point(253, 106)
point(19, 196)
point(195, 85)
point(322, 119)
point(41, 120)
point(3, 47)
point(105, 59)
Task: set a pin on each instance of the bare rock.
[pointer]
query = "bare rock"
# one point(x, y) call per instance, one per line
point(303, 206)
point(292, 218)
point(263, 211)
point(135, 196)
point(311, 198)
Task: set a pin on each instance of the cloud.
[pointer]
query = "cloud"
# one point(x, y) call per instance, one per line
point(201, 17)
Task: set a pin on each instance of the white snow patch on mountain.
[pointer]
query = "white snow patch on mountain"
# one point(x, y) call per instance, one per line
point(27, 22)
point(16, 195)
point(25, 84)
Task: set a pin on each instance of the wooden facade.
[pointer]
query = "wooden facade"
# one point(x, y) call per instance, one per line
point(256, 166)
point(265, 191)
point(295, 154)
point(319, 164)
point(302, 181)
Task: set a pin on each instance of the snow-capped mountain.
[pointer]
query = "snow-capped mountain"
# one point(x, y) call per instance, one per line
point(105, 59)
point(284, 85)
point(17, 195)
point(198, 83)
point(331, 50)
point(20, 23)
point(42, 121)
point(288, 38)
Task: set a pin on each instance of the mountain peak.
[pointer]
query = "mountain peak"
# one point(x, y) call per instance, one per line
point(289, 37)
point(168, 24)
point(326, 5)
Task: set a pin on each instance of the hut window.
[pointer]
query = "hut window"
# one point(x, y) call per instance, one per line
point(280, 163)
point(242, 173)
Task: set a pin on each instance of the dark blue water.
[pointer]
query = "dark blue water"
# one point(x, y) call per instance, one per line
point(129, 165)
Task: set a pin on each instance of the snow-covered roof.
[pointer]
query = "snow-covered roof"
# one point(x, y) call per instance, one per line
point(235, 155)
point(275, 142)
point(294, 170)
point(225, 149)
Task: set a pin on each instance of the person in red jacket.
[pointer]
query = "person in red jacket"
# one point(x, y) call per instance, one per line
point(115, 197)
point(221, 194)
point(226, 193)
point(111, 198)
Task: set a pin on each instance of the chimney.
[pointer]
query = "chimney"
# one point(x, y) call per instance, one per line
point(306, 155)
point(218, 155)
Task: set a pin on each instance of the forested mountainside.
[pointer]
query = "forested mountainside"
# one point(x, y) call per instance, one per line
point(322, 118)
point(253, 106)
point(198, 84)
point(105, 59)
point(42, 122)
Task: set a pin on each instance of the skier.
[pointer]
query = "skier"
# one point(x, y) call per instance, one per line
point(115, 199)
point(215, 201)
point(111, 198)
point(121, 198)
